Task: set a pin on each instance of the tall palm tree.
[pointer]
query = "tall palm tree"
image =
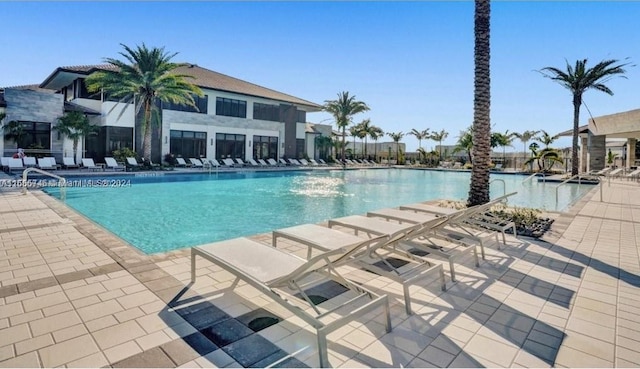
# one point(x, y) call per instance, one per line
point(439, 136)
point(396, 137)
point(14, 131)
point(142, 79)
point(546, 138)
point(420, 135)
point(525, 137)
point(503, 140)
point(375, 133)
point(479, 188)
point(354, 131)
point(75, 125)
point(343, 109)
point(578, 79)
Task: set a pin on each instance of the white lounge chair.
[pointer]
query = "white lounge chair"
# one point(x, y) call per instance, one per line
point(254, 163)
point(634, 174)
point(374, 226)
point(90, 165)
point(240, 162)
point(111, 163)
point(53, 162)
point(29, 161)
point(304, 162)
point(322, 162)
point(282, 277)
point(272, 162)
point(16, 165)
point(263, 163)
point(215, 163)
point(321, 238)
point(196, 163)
point(69, 162)
point(615, 173)
point(229, 163)
point(181, 163)
point(601, 172)
point(5, 162)
point(45, 164)
point(283, 162)
point(313, 162)
point(295, 162)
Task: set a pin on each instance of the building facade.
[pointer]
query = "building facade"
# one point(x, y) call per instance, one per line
point(234, 119)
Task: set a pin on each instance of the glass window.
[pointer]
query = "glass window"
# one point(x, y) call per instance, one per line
point(300, 149)
point(266, 112)
point(200, 102)
point(265, 147)
point(35, 136)
point(302, 116)
point(231, 107)
point(230, 146)
point(188, 144)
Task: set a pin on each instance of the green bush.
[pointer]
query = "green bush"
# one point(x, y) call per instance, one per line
point(122, 154)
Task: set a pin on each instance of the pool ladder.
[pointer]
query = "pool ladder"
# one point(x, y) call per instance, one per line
point(62, 183)
point(579, 183)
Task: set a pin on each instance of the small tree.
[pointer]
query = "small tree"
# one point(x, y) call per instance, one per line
point(440, 136)
point(13, 130)
point(396, 137)
point(611, 157)
point(75, 125)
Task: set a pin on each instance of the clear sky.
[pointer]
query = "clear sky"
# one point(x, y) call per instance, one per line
point(411, 62)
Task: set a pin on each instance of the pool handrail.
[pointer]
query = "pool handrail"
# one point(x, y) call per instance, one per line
point(62, 182)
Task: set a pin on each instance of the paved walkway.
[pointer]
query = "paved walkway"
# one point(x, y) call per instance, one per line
point(74, 295)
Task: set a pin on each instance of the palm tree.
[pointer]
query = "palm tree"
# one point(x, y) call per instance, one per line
point(420, 135)
point(323, 143)
point(143, 79)
point(365, 131)
point(503, 140)
point(481, 152)
point(343, 109)
point(543, 157)
point(375, 133)
point(525, 137)
point(579, 79)
point(75, 125)
point(546, 138)
point(396, 137)
point(439, 136)
point(14, 131)
point(354, 131)
point(465, 143)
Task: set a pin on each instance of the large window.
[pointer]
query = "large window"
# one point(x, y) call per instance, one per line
point(302, 116)
point(229, 146)
point(300, 149)
point(266, 112)
point(188, 144)
point(231, 107)
point(35, 136)
point(265, 147)
point(80, 91)
point(200, 102)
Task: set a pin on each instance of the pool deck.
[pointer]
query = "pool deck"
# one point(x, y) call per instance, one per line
point(74, 295)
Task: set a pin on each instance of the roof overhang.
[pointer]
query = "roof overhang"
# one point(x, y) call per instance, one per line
point(620, 125)
point(62, 77)
point(582, 130)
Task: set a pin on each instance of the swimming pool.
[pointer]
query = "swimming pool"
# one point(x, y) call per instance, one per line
point(158, 214)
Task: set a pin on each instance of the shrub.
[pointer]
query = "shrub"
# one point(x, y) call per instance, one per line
point(170, 159)
point(124, 153)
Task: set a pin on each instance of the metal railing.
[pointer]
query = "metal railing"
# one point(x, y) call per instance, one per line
point(62, 182)
point(544, 177)
point(504, 185)
point(569, 180)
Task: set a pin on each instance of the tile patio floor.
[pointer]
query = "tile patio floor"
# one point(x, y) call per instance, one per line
point(73, 295)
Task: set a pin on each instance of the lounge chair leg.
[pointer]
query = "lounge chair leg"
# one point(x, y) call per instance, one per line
point(475, 255)
point(453, 271)
point(482, 250)
point(322, 349)
point(387, 312)
point(193, 266)
point(407, 299)
point(444, 282)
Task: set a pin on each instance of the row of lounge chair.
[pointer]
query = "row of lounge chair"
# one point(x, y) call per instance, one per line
point(412, 234)
point(618, 173)
point(239, 163)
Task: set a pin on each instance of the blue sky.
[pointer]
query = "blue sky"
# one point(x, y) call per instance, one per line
point(411, 62)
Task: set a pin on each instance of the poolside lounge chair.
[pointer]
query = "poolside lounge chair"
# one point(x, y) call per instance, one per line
point(282, 277)
point(29, 161)
point(5, 163)
point(181, 163)
point(229, 163)
point(601, 172)
point(634, 174)
point(111, 163)
point(45, 164)
point(90, 165)
point(272, 162)
point(215, 163)
point(263, 163)
point(196, 163)
point(240, 162)
point(283, 162)
point(16, 164)
point(322, 162)
point(376, 261)
point(450, 251)
point(133, 164)
point(304, 162)
point(69, 162)
point(52, 161)
point(615, 173)
point(314, 162)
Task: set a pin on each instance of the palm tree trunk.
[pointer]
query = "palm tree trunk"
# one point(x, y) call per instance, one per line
point(479, 189)
point(365, 147)
point(75, 149)
point(344, 133)
point(577, 101)
point(146, 126)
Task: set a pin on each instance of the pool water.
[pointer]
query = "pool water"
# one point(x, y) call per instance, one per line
point(158, 214)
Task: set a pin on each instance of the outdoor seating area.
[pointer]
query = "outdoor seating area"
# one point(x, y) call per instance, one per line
point(85, 298)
